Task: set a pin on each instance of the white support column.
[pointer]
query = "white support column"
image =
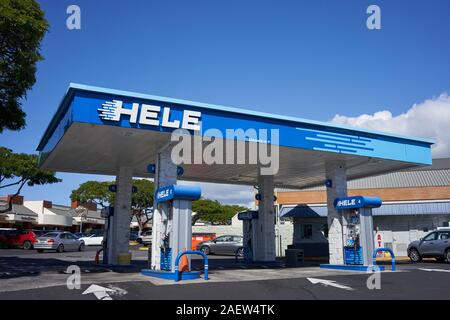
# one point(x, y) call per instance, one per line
point(366, 237)
point(181, 239)
point(264, 226)
point(118, 242)
point(166, 174)
point(336, 172)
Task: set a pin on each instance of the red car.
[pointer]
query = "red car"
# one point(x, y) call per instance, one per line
point(20, 238)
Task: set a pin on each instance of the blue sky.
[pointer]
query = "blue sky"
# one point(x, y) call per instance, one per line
point(311, 59)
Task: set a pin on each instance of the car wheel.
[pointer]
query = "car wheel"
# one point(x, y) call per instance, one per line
point(414, 255)
point(81, 247)
point(40, 250)
point(205, 250)
point(27, 245)
point(60, 248)
point(240, 252)
point(447, 255)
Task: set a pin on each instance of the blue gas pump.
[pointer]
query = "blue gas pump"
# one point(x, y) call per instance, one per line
point(247, 218)
point(175, 239)
point(358, 233)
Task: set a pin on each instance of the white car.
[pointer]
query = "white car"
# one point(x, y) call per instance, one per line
point(146, 237)
point(93, 240)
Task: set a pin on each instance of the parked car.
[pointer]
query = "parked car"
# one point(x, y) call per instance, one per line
point(81, 234)
point(4, 232)
point(223, 245)
point(94, 239)
point(146, 237)
point(59, 241)
point(19, 238)
point(134, 235)
point(436, 245)
point(39, 233)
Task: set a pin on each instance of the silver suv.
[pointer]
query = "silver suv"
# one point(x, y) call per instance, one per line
point(436, 245)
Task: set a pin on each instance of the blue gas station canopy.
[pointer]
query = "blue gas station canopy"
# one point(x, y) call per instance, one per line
point(97, 130)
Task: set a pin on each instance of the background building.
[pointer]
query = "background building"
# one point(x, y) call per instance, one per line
point(50, 217)
point(415, 202)
point(44, 215)
point(19, 216)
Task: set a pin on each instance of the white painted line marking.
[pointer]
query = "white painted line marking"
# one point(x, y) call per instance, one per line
point(330, 283)
point(100, 292)
point(437, 270)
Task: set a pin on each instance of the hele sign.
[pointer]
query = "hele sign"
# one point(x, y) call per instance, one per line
point(151, 115)
point(357, 202)
point(171, 192)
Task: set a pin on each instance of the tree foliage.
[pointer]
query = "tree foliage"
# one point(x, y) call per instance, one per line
point(142, 200)
point(214, 212)
point(93, 192)
point(18, 169)
point(22, 28)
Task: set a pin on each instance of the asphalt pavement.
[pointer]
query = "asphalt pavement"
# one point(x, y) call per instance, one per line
point(29, 275)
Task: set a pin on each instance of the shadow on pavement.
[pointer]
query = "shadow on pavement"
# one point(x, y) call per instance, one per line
point(26, 266)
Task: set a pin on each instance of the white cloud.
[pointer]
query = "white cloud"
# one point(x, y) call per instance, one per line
point(429, 119)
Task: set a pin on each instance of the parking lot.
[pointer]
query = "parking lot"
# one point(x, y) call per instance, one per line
point(26, 274)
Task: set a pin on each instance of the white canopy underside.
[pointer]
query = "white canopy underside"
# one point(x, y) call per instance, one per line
point(102, 149)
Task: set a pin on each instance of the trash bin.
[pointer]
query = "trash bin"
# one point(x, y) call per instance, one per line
point(294, 257)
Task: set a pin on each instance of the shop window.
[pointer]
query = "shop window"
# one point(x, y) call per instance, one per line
point(306, 231)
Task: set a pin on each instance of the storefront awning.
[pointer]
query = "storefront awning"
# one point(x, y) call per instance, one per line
point(55, 217)
point(19, 214)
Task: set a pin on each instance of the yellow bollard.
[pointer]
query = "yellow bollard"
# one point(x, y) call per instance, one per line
point(124, 259)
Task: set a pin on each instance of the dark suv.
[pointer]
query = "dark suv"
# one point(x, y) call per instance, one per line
point(436, 245)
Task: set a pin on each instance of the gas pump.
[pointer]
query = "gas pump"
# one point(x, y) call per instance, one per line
point(358, 229)
point(247, 218)
point(175, 204)
point(352, 247)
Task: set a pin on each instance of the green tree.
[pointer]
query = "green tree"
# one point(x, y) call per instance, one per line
point(20, 169)
point(142, 200)
point(98, 192)
point(22, 28)
point(213, 211)
point(93, 192)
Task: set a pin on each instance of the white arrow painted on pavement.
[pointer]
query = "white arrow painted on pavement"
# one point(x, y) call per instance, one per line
point(100, 292)
point(438, 270)
point(327, 283)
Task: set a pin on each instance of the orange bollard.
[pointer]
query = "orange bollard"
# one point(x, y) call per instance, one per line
point(184, 263)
